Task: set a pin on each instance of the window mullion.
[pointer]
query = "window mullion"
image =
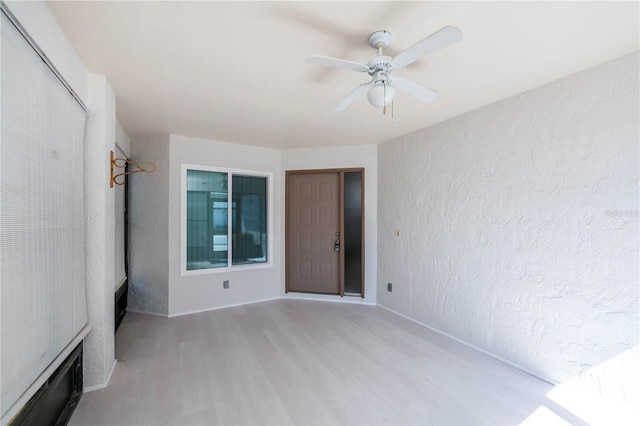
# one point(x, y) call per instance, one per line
point(230, 242)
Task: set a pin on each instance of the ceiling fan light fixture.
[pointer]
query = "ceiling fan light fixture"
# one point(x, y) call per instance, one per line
point(381, 95)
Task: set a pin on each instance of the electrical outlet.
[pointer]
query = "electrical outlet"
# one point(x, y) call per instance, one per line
point(389, 287)
point(225, 284)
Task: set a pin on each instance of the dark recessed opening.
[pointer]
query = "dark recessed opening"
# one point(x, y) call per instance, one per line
point(57, 398)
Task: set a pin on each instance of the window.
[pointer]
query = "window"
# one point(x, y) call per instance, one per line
point(225, 218)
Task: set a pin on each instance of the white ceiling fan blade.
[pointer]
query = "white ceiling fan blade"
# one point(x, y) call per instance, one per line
point(353, 96)
point(336, 63)
point(416, 90)
point(435, 41)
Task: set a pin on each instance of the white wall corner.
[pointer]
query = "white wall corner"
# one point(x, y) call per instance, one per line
point(123, 140)
point(99, 229)
point(148, 227)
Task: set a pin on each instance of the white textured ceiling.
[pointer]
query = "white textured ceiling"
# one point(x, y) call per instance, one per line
point(235, 71)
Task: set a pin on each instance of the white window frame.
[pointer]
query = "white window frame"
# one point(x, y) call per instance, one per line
point(183, 220)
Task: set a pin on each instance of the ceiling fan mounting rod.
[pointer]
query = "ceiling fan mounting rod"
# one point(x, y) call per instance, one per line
point(380, 39)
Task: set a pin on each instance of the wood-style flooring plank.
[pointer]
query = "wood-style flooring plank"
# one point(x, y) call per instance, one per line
point(288, 362)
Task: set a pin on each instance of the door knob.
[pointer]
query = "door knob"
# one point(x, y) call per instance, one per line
point(336, 246)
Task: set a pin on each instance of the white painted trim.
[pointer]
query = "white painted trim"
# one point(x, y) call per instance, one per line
point(102, 385)
point(35, 386)
point(155, 314)
point(221, 307)
point(121, 283)
point(354, 300)
point(290, 296)
point(226, 269)
point(94, 388)
point(492, 355)
point(113, 368)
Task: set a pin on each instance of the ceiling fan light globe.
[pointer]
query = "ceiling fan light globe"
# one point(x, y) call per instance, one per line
point(379, 95)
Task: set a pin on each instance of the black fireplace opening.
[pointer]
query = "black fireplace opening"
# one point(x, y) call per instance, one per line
point(121, 296)
point(57, 398)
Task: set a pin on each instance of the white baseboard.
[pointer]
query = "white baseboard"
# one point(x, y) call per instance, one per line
point(472, 346)
point(221, 307)
point(293, 296)
point(155, 314)
point(106, 382)
point(354, 300)
point(113, 368)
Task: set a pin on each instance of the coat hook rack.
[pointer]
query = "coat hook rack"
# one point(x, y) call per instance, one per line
point(121, 163)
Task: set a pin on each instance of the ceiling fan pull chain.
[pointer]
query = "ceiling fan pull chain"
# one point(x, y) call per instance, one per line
point(384, 96)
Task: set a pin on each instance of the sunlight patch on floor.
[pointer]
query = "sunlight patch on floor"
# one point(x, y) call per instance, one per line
point(544, 416)
point(606, 394)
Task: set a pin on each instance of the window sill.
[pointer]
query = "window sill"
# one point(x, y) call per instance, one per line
point(236, 268)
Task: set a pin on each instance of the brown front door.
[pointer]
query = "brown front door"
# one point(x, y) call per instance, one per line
point(313, 228)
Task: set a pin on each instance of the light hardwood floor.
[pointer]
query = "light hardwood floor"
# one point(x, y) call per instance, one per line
point(306, 363)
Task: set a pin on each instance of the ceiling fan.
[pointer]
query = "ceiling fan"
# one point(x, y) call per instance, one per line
point(381, 87)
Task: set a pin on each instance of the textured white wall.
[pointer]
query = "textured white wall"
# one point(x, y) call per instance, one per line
point(99, 348)
point(201, 292)
point(519, 226)
point(148, 227)
point(344, 157)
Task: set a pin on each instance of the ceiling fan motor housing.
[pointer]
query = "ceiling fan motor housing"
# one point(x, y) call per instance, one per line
point(380, 63)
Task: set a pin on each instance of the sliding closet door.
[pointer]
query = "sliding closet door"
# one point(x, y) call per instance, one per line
point(42, 271)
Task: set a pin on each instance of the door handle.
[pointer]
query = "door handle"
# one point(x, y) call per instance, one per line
point(336, 246)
